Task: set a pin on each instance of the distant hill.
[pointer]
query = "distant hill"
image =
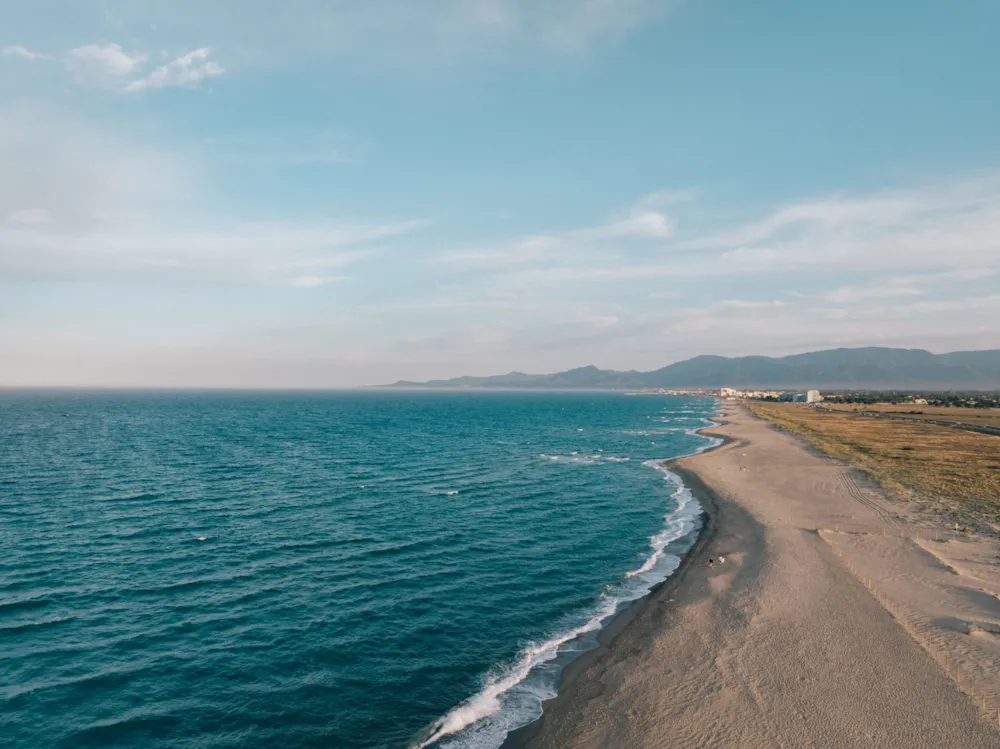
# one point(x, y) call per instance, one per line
point(872, 368)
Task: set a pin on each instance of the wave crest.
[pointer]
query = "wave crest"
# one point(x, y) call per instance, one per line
point(481, 720)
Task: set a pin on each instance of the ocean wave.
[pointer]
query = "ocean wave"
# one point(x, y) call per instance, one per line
point(137, 725)
point(652, 432)
point(512, 697)
point(24, 626)
point(587, 460)
point(710, 440)
point(7, 607)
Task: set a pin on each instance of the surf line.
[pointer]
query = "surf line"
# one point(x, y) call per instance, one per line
point(486, 702)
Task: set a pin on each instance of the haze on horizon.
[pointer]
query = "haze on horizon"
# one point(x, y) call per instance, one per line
point(328, 194)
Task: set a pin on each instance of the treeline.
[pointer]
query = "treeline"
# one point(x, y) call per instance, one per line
point(954, 399)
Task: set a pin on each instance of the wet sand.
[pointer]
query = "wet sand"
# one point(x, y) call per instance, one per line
point(830, 624)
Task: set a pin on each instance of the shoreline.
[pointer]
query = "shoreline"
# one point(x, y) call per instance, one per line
point(659, 594)
point(806, 636)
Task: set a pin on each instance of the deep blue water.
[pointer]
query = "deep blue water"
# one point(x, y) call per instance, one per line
point(369, 569)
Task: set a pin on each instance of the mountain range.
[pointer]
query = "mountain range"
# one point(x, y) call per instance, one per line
point(874, 368)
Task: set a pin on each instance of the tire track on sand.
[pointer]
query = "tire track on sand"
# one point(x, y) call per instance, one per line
point(855, 491)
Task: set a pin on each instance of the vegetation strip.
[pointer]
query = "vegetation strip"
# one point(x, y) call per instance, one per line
point(949, 472)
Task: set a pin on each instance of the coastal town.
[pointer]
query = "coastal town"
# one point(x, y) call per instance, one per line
point(948, 399)
point(734, 394)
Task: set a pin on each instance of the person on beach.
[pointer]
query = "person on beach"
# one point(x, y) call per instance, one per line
point(709, 561)
point(722, 560)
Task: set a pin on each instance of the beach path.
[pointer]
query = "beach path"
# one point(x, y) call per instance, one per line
point(807, 636)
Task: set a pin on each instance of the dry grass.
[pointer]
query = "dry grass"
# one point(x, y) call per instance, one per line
point(975, 416)
point(949, 471)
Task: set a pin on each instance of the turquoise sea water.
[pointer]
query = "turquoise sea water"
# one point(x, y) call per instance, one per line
point(374, 569)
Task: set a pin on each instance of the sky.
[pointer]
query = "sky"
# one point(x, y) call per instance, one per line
point(331, 193)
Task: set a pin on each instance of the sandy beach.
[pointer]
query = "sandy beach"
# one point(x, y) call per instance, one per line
point(836, 620)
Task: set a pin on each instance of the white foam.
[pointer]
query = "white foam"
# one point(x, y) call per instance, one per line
point(486, 702)
point(711, 441)
point(651, 432)
point(677, 522)
point(507, 699)
point(587, 460)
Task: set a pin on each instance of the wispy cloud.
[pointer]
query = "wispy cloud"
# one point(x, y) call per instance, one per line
point(524, 250)
point(945, 276)
point(16, 50)
point(640, 223)
point(942, 233)
point(887, 290)
point(291, 254)
point(412, 36)
point(742, 304)
point(187, 70)
point(905, 267)
point(81, 204)
point(940, 225)
point(311, 282)
point(575, 25)
point(112, 67)
point(990, 304)
point(107, 61)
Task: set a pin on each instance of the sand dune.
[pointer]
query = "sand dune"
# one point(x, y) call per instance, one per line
point(837, 620)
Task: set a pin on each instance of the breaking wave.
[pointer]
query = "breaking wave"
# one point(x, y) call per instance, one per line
point(512, 696)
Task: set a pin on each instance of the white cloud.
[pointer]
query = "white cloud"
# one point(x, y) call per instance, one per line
point(110, 66)
point(16, 50)
point(525, 250)
point(907, 267)
point(958, 274)
point(80, 204)
point(748, 304)
point(948, 224)
point(887, 290)
point(414, 35)
point(662, 198)
point(592, 273)
point(27, 216)
point(108, 61)
point(942, 233)
point(750, 255)
point(878, 210)
point(641, 224)
point(58, 172)
point(187, 70)
point(240, 253)
point(310, 282)
point(575, 25)
point(990, 304)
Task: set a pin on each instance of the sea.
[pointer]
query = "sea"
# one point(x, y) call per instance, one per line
point(391, 569)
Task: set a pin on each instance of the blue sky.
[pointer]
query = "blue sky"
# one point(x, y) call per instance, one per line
point(331, 193)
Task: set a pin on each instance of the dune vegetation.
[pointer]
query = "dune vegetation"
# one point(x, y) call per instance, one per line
point(948, 471)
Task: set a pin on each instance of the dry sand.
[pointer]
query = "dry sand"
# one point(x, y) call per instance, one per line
point(788, 644)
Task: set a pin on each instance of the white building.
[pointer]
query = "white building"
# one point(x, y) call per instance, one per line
point(813, 396)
